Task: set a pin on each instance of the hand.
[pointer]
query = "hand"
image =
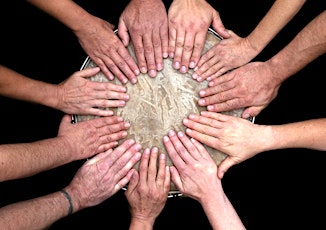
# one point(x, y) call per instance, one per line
point(194, 169)
point(106, 49)
point(103, 175)
point(77, 95)
point(93, 136)
point(228, 54)
point(253, 85)
point(238, 138)
point(188, 26)
point(147, 191)
point(147, 24)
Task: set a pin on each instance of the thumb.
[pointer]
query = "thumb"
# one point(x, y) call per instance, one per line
point(224, 167)
point(252, 111)
point(123, 32)
point(218, 26)
point(133, 181)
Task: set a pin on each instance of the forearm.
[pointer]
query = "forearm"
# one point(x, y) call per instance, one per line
point(310, 134)
point(281, 12)
point(307, 45)
point(66, 11)
point(27, 159)
point(37, 213)
point(17, 86)
point(220, 212)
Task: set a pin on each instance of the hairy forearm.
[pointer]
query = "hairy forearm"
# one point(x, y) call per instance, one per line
point(27, 159)
point(17, 86)
point(37, 213)
point(281, 12)
point(307, 45)
point(310, 134)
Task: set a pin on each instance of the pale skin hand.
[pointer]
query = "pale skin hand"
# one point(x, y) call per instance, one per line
point(241, 88)
point(189, 21)
point(239, 138)
point(97, 180)
point(106, 49)
point(97, 38)
point(74, 142)
point(226, 55)
point(236, 51)
point(104, 175)
point(78, 95)
point(93, 136)
point(148, 190)
point(193, 172)
point(147, 23)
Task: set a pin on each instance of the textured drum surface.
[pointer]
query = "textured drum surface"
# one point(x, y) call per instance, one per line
point(159, 104)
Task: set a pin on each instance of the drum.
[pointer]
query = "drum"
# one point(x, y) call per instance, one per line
point(159, 104)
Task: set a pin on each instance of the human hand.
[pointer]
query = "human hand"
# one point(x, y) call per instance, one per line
point(188, 26)
point(78, 95)
point(193, 169)
point(228, 54)
point(106, 49)
point(147, 191)
point(239, 138)
point(147, 24)
point(103, 175)
point(93, 136)
point(253, 85)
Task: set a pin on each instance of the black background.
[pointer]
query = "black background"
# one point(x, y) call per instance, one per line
point(281, 189)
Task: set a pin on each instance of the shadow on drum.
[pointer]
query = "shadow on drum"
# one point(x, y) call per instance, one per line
point(159, 104)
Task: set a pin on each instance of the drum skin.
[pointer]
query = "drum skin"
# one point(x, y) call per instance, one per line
point(159, 104)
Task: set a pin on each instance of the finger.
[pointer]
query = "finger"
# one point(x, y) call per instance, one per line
point(218, 25)
point(226, 105)
point(143, 166)
point(139, 52)
point(124, 181)
point(175, 176)
point(123, 32)
point(187, 49)
point(103, 66)
point(197, 49)
point(252, 111)
point(133, 182)
point(152, 170)
point(172, 152)
point(178, 49)
point(157, 45)
point(192, 150)
point(172, 41)
point(180, 148)
point(224, 167)
point(149, 55)
point(107, 86)
point(88, 72)
point(203, 138)
point(164, 35)
point(161, 173)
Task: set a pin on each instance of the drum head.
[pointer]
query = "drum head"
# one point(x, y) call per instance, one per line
point(159, 104)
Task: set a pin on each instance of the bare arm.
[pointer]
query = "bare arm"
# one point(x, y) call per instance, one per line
point(237, 51)
point(281, 12)
point(240, 139)
point(239, 88)
point(96, 36)
point(73, 142)
point(192, 171)
point(97, 180)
